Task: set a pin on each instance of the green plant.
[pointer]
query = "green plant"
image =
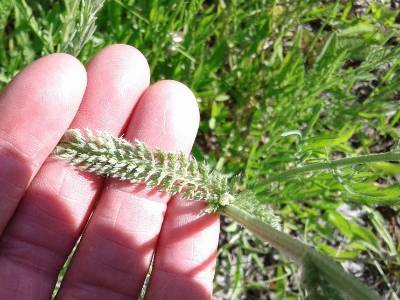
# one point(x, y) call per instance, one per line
point(174, 173)
point(280, 84)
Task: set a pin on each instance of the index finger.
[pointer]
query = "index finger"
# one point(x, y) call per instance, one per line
point(36, 108)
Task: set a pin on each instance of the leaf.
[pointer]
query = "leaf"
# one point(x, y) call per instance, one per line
point(386, 168)
point(339, 253)
point(5, 9)
point(366, 236)
point(292, 132)
point(353, 231)
point(327, 53)
point(340, 223)
point(83, 27)
point(357, 29)
point(379, 224)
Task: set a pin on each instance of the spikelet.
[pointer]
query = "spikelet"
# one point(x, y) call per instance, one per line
point(105, 155)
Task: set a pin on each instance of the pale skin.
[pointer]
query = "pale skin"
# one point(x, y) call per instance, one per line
point(45, 204)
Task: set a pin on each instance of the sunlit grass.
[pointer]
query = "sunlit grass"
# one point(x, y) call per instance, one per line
point(280, 84)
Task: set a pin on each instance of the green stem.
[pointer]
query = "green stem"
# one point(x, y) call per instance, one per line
point(300, 253)
point(292, 248)
point(370, 158)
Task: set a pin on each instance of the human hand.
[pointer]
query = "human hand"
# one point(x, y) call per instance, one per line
point(45, 204)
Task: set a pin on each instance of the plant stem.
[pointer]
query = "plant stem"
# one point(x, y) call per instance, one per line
point(370, 158)
point(300, 253)
point(292, 248)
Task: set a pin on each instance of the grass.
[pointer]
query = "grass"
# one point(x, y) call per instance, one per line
point(280, 84)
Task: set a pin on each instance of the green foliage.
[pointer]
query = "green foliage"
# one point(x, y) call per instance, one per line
point(323, 277)
point(80, 24)
point(262, 70)
point(248, 201)
point(173, 173)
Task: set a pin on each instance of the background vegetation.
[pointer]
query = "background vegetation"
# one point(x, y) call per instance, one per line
point(280, 84)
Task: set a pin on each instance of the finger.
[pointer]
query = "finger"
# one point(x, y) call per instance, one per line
point(57, 204)
point(36, 108)
point(115, 252)
point(186, 253)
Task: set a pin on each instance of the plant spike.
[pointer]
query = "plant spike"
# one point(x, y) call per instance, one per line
point(173, 173)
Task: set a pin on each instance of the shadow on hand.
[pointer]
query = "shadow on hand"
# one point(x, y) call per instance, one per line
point(15, 174)
point(39, 237)
point(113, 262)
point(43, 232)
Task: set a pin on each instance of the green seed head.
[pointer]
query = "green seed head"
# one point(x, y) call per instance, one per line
point(226, 199)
